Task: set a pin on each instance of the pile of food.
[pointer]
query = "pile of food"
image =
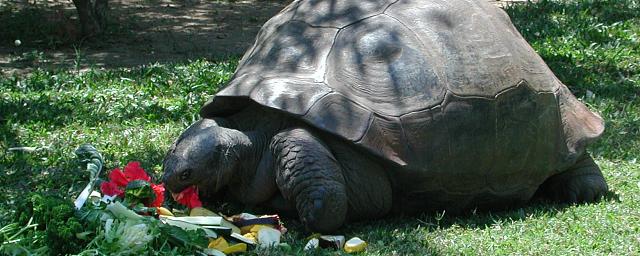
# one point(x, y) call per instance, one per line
point(124, 215)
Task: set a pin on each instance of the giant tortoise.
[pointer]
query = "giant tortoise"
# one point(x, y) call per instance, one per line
point(349, 110)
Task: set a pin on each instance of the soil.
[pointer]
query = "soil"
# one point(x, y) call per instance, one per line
point(146, 31)
point(143, 32)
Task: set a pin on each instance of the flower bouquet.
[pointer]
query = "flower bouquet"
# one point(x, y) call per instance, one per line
point(134, 186)
point(130, 209)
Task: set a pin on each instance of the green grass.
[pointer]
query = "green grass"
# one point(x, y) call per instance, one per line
point(127, 114)
point(134, 114)
point(593, 46)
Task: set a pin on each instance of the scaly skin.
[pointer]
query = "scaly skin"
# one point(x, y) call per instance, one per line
point(582, 183)
point(309, 175)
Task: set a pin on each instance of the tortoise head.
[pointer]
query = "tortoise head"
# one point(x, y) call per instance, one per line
point(204, 155)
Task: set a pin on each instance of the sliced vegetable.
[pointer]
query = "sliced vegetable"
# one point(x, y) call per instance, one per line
point(127, 237)
point(197, 220)
point(335, 242)
point(236, 248)
point(219, 244)
point(243, 239)
point(220, 230)
point(200, 211)
point(164, 211)
point(92, 161)
point(312, 244)
point(213, 252)
point(188, 226)
point(253, 228)
point(185, 238)
point(268, 237)
point(122, 212)
point(355, 245)
point(252, 237)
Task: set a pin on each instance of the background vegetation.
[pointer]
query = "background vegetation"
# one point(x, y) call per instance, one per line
point(134, 114)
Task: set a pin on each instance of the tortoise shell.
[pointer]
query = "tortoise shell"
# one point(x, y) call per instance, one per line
point(445, 89)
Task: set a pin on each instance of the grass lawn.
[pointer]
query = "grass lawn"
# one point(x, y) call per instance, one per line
point(134, 114)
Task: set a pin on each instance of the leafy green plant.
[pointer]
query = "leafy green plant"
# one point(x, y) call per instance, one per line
point(12, 242)
point(55, 218)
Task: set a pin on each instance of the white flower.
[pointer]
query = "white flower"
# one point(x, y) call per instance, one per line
point(17, 42)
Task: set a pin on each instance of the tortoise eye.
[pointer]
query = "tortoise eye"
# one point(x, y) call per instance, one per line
point(184, 175)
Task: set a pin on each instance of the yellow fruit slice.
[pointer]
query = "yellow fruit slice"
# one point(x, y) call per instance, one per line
point(164, 211)
point(251, 236)
point(235, 248)
point(201, 211)
point(219, 244)
point(253, 228)
point(355, 245)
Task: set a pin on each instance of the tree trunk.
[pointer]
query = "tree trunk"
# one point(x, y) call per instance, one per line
point(93, 16)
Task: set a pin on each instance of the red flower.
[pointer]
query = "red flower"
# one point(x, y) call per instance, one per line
point(133, 171)
point(158, 189)
point(188, 197)
point(118, 181)
point(117, 178)
point(111, 189)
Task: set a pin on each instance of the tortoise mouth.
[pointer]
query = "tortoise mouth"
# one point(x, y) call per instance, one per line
point(185, 193)
point(176, 188)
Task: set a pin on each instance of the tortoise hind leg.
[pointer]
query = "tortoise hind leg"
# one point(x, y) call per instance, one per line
point(581, 183)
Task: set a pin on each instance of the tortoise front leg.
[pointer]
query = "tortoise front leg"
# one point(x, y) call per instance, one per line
point(308, 175)
point(582, 183)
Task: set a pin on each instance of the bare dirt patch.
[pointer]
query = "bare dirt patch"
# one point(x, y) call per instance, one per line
point(143, 32)
point(150, 31)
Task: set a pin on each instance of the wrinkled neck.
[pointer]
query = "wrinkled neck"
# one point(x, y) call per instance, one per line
point(255, 182)
point(251, 152)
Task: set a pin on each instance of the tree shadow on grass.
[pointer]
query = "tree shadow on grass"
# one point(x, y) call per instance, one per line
point(163, 31)
point(474, 219)
point(402, 231)
point(588, 45)
point(558, 18)
point(582, 23)
point(405, 234)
